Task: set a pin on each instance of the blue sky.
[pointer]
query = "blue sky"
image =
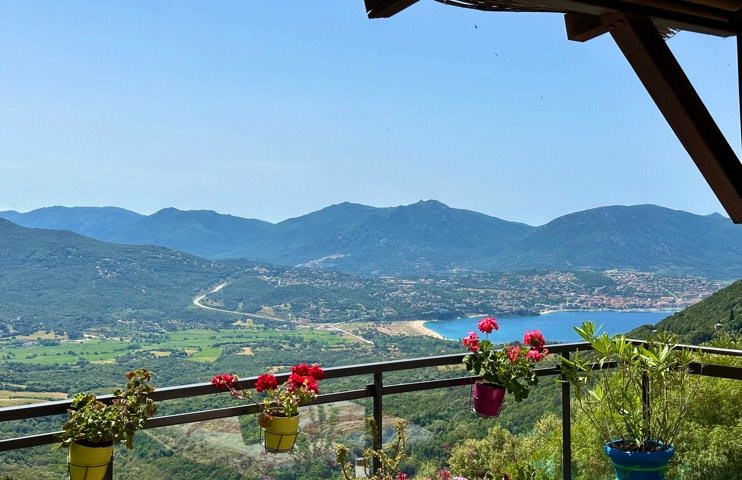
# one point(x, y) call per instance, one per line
point(274, 109)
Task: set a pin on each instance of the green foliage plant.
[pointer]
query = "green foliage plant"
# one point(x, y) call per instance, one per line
point(511, 367)
point(388, 459)
point(500, 454)
point(93, 423)
point(612, 397)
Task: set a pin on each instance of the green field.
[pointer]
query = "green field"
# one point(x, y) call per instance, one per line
point(194, 345)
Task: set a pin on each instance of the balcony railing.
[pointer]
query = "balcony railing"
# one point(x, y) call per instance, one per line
point(376, 391)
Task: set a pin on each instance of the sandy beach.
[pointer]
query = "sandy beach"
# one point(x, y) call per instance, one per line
point(416, 327)
point(406, 327)
point(419, 327)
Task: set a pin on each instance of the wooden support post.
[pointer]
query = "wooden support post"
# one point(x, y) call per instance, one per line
point(669, 87)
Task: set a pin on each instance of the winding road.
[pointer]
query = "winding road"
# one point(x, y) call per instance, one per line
point(198, 301)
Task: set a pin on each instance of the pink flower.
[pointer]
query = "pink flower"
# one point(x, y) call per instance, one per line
point(224, 381)
point(487, 324)
point(513, 352)
point(266, 382)
point(535, 355)
point(534, 339)
point(444, 475)
point(471, 342)
point(402, 476)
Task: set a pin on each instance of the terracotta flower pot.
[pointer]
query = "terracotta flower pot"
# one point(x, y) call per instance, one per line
point(487, 399)
point(88, 463)
point(280, 434)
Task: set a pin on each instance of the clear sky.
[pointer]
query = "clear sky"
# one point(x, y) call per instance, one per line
point(273, 109)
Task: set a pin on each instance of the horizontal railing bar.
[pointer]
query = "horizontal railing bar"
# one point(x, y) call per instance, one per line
point(45, 409)
point(30, 441)
point(427, 385)
point(718, 371)
point(204, 415)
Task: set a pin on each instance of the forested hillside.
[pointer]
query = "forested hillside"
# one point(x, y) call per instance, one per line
point(721, 312)
point(58, 280)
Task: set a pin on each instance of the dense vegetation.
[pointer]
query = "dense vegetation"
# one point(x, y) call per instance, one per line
point(443, 433)
point(722, 312)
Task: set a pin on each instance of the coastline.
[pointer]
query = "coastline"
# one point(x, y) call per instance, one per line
point(419, 327)
point(627, 310)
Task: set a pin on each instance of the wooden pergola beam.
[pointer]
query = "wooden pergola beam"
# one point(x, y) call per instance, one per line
point(386, 8)
point(582, 27)
point(669, 87)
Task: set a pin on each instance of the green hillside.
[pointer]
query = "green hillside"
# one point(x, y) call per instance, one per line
point(697, 324)
point(640, 237)
point(58, 280)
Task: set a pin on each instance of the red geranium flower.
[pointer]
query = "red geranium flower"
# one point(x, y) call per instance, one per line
point(534, 339)
point(301, 369)
point(513, 352)
point(224, 381)
point(472, 342)
point(295, 382)
point(266, 382)
point(316, 372)
point(300, 387)
point(487, 324)
point(311, 384)
point(535, 355)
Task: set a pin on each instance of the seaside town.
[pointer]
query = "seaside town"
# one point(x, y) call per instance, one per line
point(334, 297)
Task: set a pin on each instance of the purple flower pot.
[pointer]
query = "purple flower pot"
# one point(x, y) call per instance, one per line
point(487, 399)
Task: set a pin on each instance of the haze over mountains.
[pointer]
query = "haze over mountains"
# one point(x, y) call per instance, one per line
point(425, 237)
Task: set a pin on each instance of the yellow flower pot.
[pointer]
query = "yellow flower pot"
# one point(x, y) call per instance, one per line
point(88, 463)
point(280, 435)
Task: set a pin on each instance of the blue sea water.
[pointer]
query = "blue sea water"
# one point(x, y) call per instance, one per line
point(556, 326)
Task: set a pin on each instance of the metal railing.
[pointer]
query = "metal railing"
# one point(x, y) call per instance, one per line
point(376, 391)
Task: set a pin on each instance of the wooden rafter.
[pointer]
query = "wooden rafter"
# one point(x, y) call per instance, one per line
point(669, 87)
point(637, 27)
point(386, 8)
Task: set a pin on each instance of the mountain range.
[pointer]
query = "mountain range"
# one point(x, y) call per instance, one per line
point(425, 237)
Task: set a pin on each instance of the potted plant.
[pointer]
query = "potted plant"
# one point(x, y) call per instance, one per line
point(510, 368)
point(637, 407)
point(94, 427)
point(279, 415)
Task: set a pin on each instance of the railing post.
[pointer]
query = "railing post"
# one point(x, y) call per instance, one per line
point(566, 429)
point(109, 471)
point(378, 397)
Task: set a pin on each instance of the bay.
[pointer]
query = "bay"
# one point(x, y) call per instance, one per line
point(556, 326)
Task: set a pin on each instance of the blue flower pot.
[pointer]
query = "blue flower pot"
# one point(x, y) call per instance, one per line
point(639, 465)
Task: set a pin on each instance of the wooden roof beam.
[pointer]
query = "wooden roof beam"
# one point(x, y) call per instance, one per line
point(386, 8)
point(581, 27)
point(669, 87)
